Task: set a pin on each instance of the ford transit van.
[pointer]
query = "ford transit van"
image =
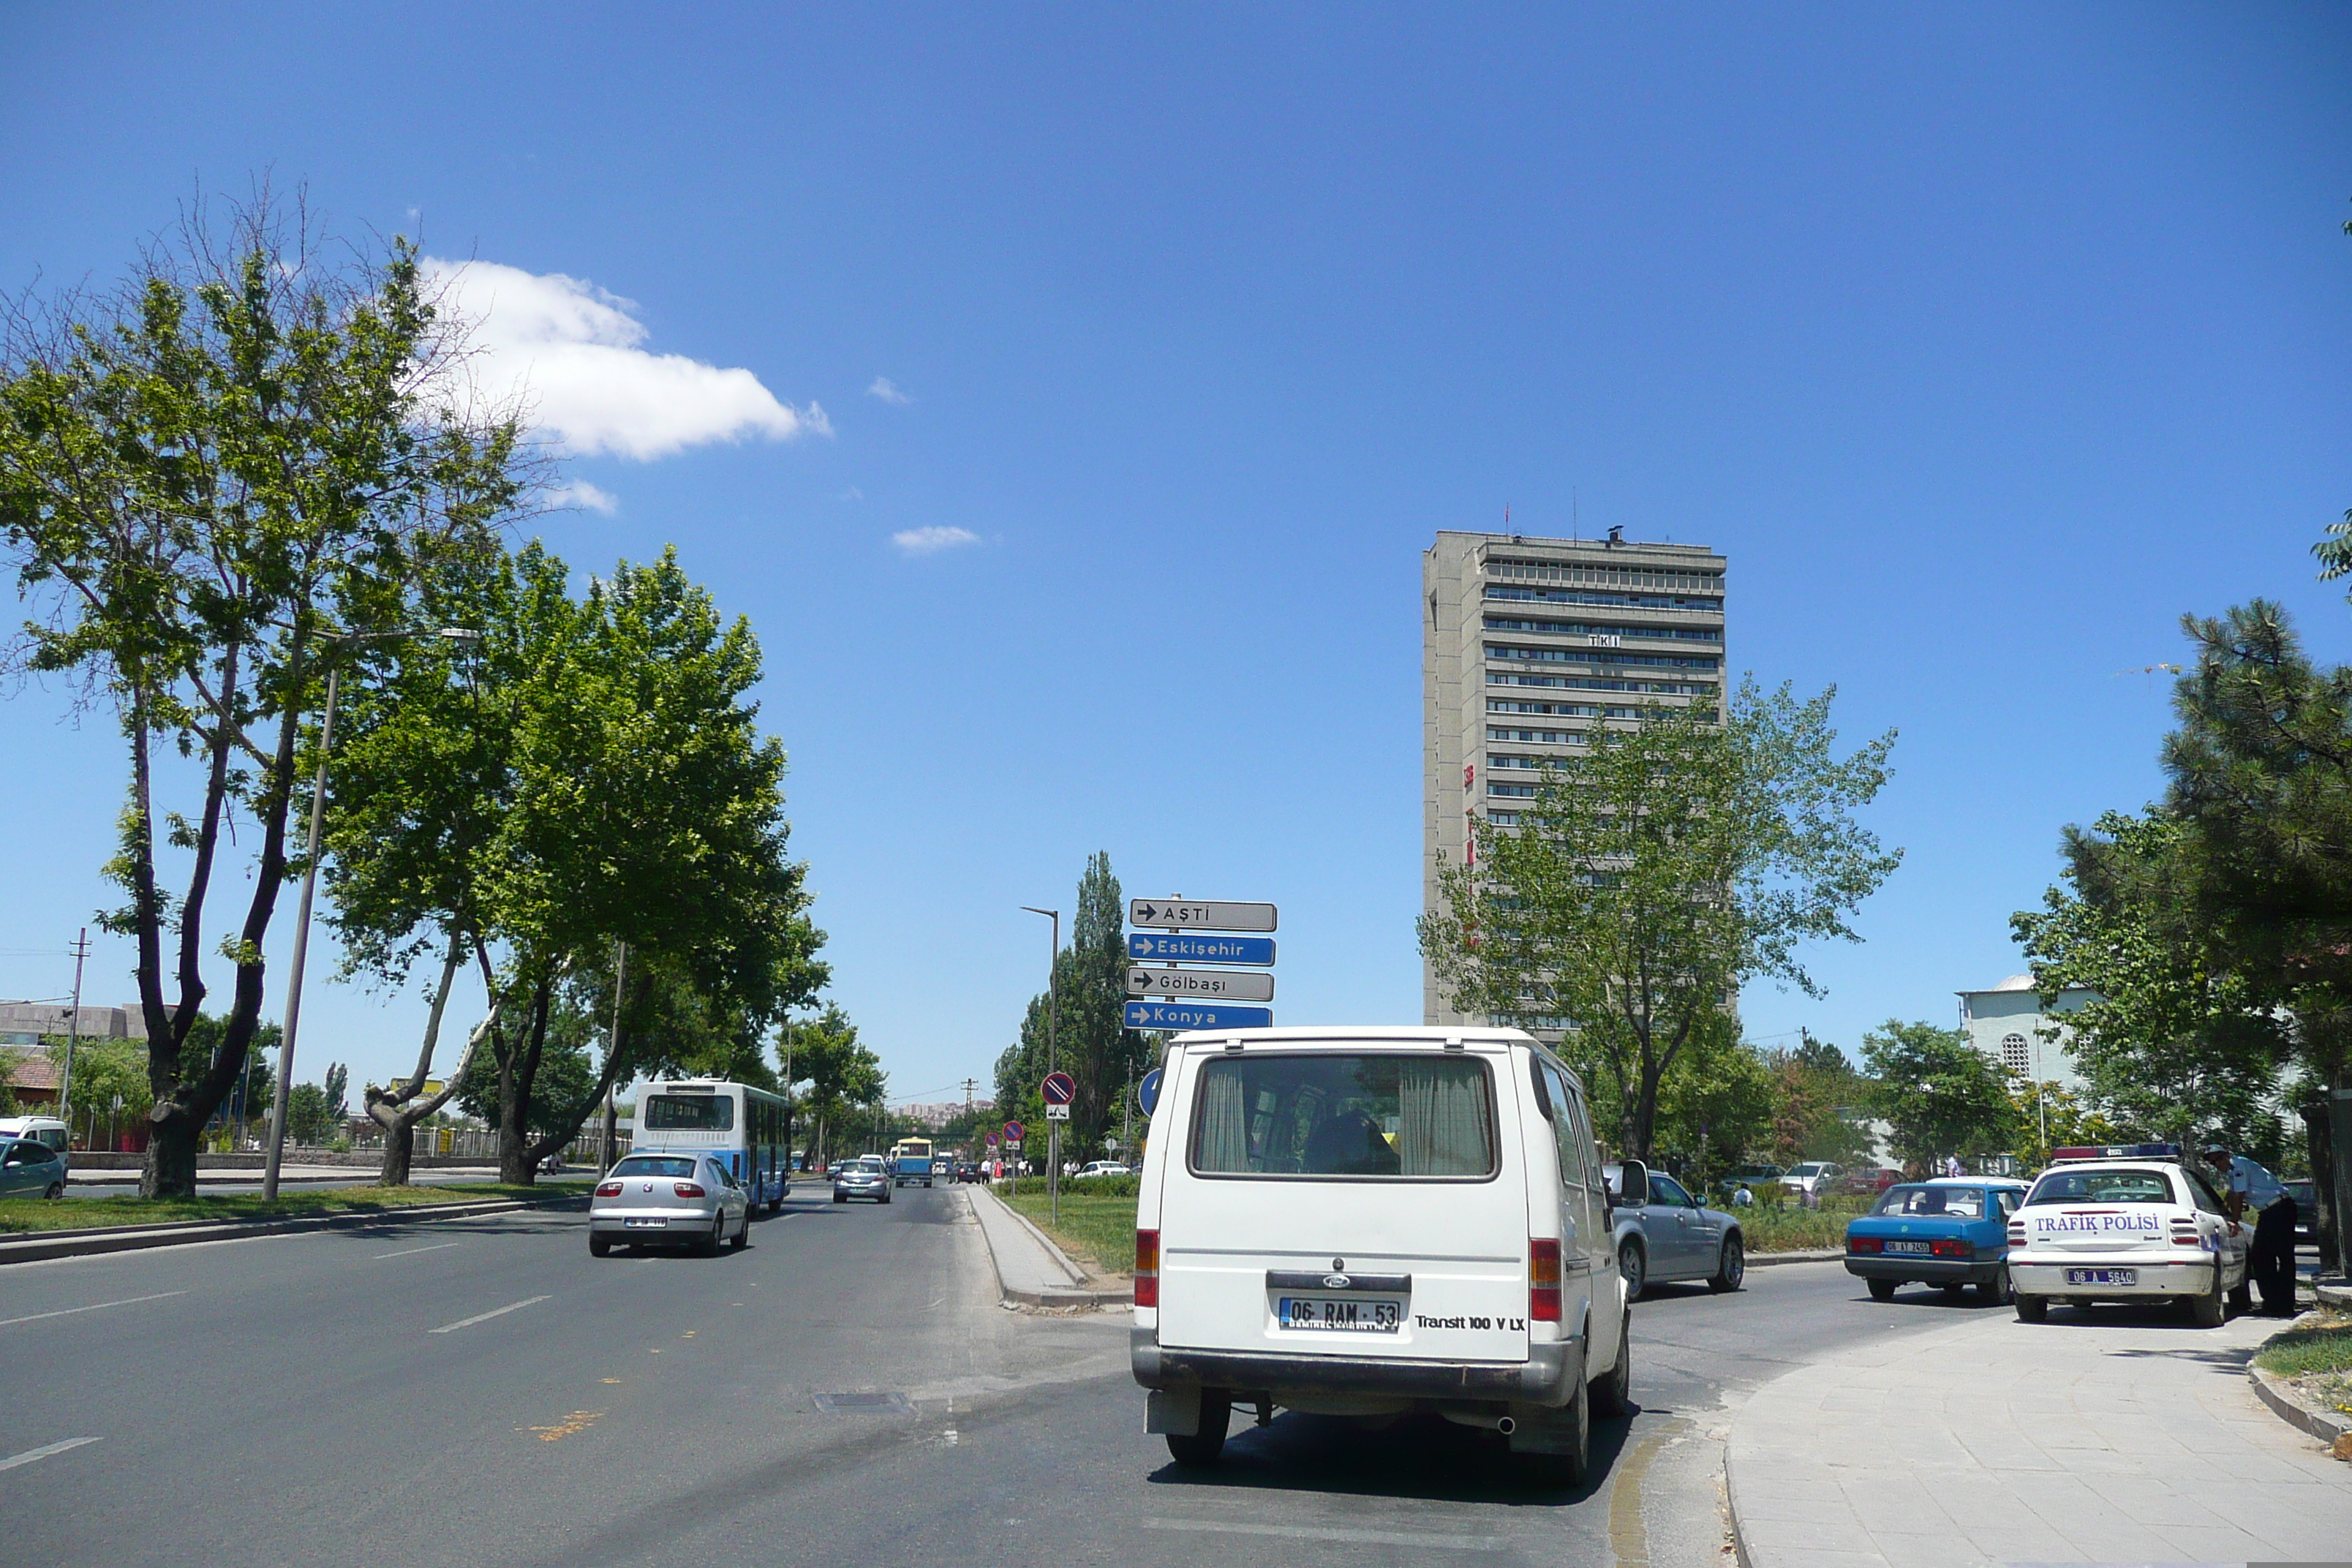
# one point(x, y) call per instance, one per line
point(1369, 1221)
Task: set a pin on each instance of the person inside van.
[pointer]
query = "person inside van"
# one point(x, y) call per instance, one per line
point(1348, 1143)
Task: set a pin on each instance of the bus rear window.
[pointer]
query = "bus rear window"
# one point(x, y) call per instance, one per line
point(1349, 1116)
point(688, 1114)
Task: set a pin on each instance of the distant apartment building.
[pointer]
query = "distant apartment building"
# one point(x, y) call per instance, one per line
point(1528, 646)
point(935, 1114)
point(2006, 1023)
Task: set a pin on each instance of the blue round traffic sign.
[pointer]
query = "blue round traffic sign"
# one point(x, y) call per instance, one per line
point(1147, 1093)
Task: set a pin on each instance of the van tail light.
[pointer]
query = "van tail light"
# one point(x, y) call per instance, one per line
point(689, 1190)
point(1864, 1244)
point(1950, 1250)
point(1147, 1268)
point(1543, 1280)
point(608, 1189)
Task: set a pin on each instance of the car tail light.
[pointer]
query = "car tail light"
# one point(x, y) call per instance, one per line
point(2184, 1232)
point(1864, 1244)
point(689, 1190)
point(2017, 1233)
point(1147, 1268)
point(1950, 1250)
point(1543, 1280)
point(608, 1189)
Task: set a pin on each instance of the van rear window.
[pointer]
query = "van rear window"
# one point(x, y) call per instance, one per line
point(1350, 1116)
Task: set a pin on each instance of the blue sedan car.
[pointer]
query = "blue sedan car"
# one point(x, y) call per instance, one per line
point(1952, 1232)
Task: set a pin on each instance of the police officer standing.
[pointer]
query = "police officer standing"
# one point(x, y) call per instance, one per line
point(2269, 1265)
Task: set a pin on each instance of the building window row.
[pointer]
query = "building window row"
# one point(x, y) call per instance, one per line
point(1525, 765)
point(1606, 576)
point(1581, 629)
point(1701, 603)
point(1560, 710)
point(1504, 818)
point(1590, 683)
point(1515, 792)
point(1538, 737)
point(1586, 656)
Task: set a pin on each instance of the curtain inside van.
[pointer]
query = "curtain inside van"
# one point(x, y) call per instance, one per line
point(1345, 1114)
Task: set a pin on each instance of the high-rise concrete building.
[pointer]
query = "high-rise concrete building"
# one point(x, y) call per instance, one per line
point(1527, 645)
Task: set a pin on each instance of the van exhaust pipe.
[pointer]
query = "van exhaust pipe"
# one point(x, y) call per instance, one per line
point(1492, 1423)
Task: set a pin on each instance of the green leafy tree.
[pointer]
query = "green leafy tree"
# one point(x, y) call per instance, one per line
point(1089, 1039)
point(2052, 1116)
point(1940, 1094)
point(845, 1079)
point(1714, 1106)
point(206, 477)
point(1654, 875)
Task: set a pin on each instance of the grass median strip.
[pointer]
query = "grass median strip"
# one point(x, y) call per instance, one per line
point(27, 1217)
point(1097, 1229)
point(2317, 1360)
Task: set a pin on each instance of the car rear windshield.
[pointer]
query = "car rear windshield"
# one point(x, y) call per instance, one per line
point(1959, 1202)
point(1341, 1115)
point(2102, 1187)
point(688, 1113)
point(654, 1166)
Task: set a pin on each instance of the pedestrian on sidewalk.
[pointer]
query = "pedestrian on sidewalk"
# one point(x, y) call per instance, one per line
point(2269, 1265)
point(1952, 1166)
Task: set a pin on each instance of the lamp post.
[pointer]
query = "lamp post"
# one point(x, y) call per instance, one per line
point(310, 887)
point(1053, 1016)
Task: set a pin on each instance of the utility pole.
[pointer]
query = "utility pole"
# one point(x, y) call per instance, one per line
point(73, 1036)
point(1052, 1017)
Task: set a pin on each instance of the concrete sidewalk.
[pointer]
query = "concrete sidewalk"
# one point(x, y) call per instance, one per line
point(1030, 1271)
point(2127, 1435)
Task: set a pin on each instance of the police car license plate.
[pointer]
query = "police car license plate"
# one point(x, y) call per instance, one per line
point(644, 1223)
point(1359, 1315)
point(2102, 1277)
point(1920, 1248)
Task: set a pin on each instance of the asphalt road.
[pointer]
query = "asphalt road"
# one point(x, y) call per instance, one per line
point(844, 1391)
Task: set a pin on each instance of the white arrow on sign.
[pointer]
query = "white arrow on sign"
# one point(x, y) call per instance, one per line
point(1180, 915)
point(1200, 985)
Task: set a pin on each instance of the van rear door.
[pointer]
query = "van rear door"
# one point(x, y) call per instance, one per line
point(1355, 1198)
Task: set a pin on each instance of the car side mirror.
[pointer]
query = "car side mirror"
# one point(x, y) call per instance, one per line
point(1633, 1183)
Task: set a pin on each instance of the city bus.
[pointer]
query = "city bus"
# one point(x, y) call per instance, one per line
point(910, 1160)
point(741, 1126)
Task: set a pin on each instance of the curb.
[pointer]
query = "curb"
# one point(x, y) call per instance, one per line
point(1051, 1301)
point(51, 1244)
point(1818, 1254)
point(2271, 1389)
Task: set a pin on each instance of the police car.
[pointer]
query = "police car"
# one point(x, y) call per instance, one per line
point(2127, 1222)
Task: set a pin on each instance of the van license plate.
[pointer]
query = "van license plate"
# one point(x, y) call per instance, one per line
point(1328, 1312)
point(2102, 1277)
point(1916, 1247)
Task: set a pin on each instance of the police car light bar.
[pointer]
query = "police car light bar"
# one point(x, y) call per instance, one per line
point(2117, 1152)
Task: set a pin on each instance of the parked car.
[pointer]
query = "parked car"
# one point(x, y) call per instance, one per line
point(1814, 1178)
point(1662, 1234)
point(1748, 1177)
point(31, 1169)
point(688, 1200)
point(1370, 1222)
point(1103, 1168)
point(868, 1176)
point(2145, 1227)
point(835, 1169)
point(2300, 1191)
point(1868, 1182)
point(1952, 1232)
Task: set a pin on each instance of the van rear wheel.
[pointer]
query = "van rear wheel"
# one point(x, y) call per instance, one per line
point(1201, 1448)
point(1613, 1391)
point(1572, 1434)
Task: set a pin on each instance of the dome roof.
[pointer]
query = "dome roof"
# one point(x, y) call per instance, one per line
point(2017, 983)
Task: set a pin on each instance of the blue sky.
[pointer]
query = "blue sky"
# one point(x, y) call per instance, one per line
point(1985, 341)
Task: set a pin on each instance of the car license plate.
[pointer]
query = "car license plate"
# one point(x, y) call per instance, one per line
point(1376, 1317)
point(1920, 1248)
point(2102, 1277)
point(644, 1223)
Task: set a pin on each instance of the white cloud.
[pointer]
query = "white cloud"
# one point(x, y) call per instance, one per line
point(931, 540)
point(887, 391)
point(574, 352)
point(580, 493)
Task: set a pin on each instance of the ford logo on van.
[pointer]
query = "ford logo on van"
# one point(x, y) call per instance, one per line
point(1337, 1282)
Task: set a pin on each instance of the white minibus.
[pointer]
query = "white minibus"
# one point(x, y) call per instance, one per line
point(1367, 1222)
point(743, 1127)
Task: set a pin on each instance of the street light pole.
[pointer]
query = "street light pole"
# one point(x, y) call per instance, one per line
point(1053, 1017)
point(309, 887)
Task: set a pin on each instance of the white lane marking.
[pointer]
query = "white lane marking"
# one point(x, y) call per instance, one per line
point(1363, 1537)
point(94, 1307)
point(486, 1317)
point(415, 1250)
point(29, 1455)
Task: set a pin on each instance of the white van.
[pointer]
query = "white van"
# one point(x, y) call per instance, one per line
point(46, 1130)
point(1365, 1222)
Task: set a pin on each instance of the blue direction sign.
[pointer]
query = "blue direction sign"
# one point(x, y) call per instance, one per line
point(1147, 1093)
point(1196, 947)
point(1196, 1015)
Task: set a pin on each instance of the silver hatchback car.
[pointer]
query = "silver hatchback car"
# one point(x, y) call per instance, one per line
point(865, 1177)
point(668, 1200)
